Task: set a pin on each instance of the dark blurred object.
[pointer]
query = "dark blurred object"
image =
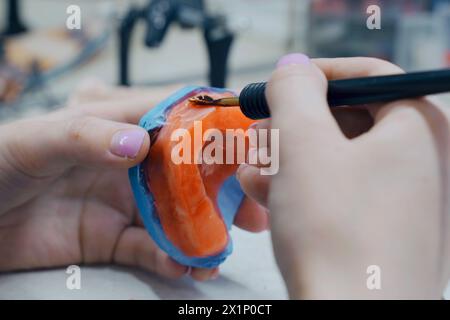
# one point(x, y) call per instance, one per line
point(14, 23)
point(11, 84)
point(338, 27)
point(159, 15)
point(29, 62)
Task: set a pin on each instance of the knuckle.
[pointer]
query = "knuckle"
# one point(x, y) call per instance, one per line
point(293, 79)
point(75, 128)
point(294, 74)
point(84, 109)
point(19, 151)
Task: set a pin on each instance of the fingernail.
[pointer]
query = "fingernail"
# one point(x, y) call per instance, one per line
point(252, 155)
point(293, 59)
point(127, 143)
point(215, 274)
point(240, 169)
point(188, 271)
point(254, 125)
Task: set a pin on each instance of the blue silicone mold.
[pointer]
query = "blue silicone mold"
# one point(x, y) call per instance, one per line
point(229, 198)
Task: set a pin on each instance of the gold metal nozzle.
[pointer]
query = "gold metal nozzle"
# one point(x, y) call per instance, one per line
point(204, 100)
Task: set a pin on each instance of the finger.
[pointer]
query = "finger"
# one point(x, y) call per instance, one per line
point(129, 111)
point(388, 117)
point(43, 146)
point(296, 94)
point(136, 249)
point(121, 104)
point(253, 183)
point(252, 216)
point(263, 129)
point(201, 274)
point(138, 219)
point(89, 90)
point(342, 68)
point(401, 118)
point(95, 90)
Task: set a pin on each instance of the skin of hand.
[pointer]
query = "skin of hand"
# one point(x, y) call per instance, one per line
point(368, 188)
point(64, 191)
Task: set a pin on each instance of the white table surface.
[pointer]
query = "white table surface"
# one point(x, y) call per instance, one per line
point(249, 273)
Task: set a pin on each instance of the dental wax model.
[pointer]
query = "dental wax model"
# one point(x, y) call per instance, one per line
point(189, 207)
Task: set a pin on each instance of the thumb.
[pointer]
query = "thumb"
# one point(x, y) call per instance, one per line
point(47, 145)
point(297, 97)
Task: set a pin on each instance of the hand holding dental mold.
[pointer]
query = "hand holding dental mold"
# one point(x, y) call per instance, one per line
point(64, 191)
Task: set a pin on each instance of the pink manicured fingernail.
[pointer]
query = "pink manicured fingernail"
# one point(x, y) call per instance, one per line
point(293, 58)
point(127, 143)
point(241, 167)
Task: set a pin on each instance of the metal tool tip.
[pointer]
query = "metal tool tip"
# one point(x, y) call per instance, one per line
point(202, 100)
point(205, 100)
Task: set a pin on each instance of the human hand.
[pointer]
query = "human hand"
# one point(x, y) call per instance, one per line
point(64, 191)
point(339, 205)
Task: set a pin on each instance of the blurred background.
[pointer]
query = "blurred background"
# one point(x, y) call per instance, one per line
point(216, 42)
point(205, 42)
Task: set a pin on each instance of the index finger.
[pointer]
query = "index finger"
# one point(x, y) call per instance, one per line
point(356, 67)
point(342, 68)
point(121, 104)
